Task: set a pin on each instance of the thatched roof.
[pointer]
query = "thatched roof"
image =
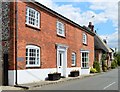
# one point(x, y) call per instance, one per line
point(100, 44)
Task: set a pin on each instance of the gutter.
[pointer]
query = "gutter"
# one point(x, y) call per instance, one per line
point(16, 36)
point(54, 13)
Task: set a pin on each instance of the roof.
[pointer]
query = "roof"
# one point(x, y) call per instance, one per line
point(99, 44)
point(61, 17)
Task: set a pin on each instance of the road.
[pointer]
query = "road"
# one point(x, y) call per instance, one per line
point(104, 81)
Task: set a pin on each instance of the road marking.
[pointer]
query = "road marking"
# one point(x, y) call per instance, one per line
point(109, 85)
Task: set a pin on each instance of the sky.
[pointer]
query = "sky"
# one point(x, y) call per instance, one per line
point(102, 13)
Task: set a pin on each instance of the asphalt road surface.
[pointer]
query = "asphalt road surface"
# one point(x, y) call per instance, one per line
point(104, 81)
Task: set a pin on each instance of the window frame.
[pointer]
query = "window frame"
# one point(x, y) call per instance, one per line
point(58, 23)
point(87, 62)
point(36, 57)
point(84, 38)
point(73, 56)
point(37, 18)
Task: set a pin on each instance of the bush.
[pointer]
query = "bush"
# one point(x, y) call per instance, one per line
point(93, 70)
point(104, 69)
point(118, 59)
point(96, 65)
point(113, 65)
point(104, 65)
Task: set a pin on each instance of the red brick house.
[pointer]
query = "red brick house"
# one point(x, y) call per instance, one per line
point(42, 41)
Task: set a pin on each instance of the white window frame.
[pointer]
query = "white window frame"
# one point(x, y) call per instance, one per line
point(37, 63)
point(60, 29)
point(36, 17)
point(87, 63)
point(73, 59)
point(84, 38)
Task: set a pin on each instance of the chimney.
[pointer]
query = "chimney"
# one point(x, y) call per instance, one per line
point(91, 26)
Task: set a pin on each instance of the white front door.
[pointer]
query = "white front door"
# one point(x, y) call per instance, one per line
point(61, 60)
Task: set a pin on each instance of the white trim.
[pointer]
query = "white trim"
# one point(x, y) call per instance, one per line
point(85, 51)
point(36, 48)
point(37, 25)
point(63, 48)
point(84, 38)
point(62, 29)
point(74, 54)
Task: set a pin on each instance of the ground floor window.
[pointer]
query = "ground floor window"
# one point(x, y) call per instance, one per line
point(85, 59)
point(32, 56)
point(73, 59)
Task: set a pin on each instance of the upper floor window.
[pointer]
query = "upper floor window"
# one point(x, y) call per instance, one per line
point(84, 38)
point(32, 56)
point(60, 29)
point(73, 59)
point(32, 17)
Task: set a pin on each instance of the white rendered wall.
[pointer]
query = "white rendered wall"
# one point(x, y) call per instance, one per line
point(29, 75)
point(72, 69)
point(35, 75)
point(85, 71)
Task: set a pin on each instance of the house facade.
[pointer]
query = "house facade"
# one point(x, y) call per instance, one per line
point(101, 48)
point(42, 41)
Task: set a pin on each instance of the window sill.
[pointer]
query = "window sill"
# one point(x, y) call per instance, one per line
point(73, 65)
point(32, 66)
point(63, 36)
point(85, 44)
point(31, 26)
point(84, 67)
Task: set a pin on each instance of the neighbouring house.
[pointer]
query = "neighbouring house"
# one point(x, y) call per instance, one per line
point(114, 51)
point(41, 41)
point(101, 48)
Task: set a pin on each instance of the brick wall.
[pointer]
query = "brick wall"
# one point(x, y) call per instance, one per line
point(46, 38)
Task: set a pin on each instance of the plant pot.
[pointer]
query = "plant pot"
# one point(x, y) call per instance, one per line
point(54, 76)
point(74, 73)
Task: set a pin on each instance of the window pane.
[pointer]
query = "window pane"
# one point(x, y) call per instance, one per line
point(60, 28)
point(32, 17)
point(82, 64)
point(60, 59)
point(32, 56)
point(73, 58)
point(84, 38)
point(85, 59)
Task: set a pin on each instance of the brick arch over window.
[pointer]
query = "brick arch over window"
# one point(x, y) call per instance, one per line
point(32, 56)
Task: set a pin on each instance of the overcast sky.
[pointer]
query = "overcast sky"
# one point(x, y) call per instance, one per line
point(103, 14)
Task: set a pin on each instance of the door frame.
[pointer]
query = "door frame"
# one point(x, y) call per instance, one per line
point(62, 48)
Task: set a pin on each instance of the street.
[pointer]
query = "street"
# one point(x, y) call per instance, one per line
point(104, 81)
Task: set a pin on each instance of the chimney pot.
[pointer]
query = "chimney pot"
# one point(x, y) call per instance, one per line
point(90, 23)
point(91, 26)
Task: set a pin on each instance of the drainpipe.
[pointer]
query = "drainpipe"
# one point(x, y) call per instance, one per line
point(16, 36)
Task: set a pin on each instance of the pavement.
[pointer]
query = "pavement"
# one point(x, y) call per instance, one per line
point(43, 83)
point(104, 81)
